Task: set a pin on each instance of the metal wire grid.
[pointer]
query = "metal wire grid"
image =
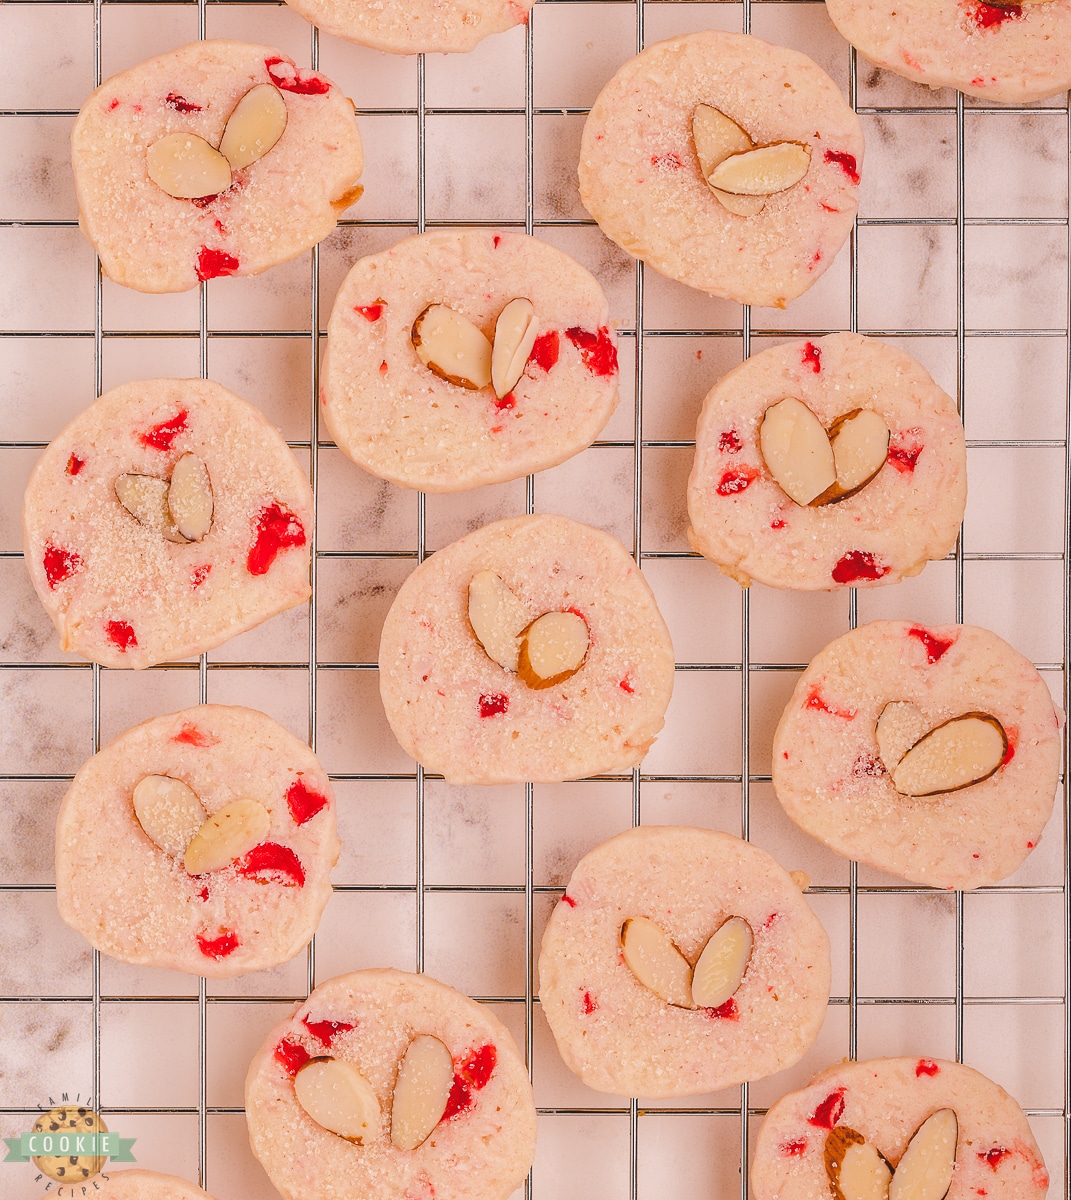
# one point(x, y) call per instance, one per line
point(747, 669)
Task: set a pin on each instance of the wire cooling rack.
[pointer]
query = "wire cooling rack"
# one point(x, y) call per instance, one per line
point(960, 255)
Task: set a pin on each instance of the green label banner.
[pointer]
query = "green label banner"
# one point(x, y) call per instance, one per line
point(92, 1145)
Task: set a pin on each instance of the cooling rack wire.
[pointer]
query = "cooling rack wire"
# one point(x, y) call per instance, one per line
point(960, 255)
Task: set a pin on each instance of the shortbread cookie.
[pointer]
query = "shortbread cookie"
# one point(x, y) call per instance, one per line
point(219, 158)
point(863, 1126)
point(140, 1185)
point(200, 841)
point(532, 649)
point(416, 27)
point(930, 753)
point(166, 518)
point(386, 1085)
point(829, 463)
point(1011, 53)
point(681, 961)
point(663, 167)
point(465, 357)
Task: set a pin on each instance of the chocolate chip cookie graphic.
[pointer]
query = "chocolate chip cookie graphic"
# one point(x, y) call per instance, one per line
point(69, 1168)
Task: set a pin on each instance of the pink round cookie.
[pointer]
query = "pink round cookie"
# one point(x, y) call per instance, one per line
point(908, 513)
point(641, 178)
point(879, 1109)
point(140, 810)
point(416, 27)
point(137, 190)
point(139, 1185)
point(854, 766)
point(476, 1143)
point(1011, 53)
point(109, 498)
point(402, 420)
point(459, 696)
point(621, 1036)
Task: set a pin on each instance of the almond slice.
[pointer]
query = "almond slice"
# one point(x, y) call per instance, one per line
point(187, 167)
point(515, 335)
point(656, 962)
point(899, 726)
point(337, 1096)
point(856, 1169)
point(168, 811)
point(497, 618)
point(450, 346)
point(553, 648)
point(721, 967)
point(741, 206)
point(925, 1169)
point(145, 498)
point(957, 754)
point(421, 1092)
point(860, 441)
point(227, 835)
point(189, 498)
point(796, 450)
point(762, 171)
point(255, 125)
point(716, 137)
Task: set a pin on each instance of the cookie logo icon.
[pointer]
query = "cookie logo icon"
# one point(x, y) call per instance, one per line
point(64, 1125)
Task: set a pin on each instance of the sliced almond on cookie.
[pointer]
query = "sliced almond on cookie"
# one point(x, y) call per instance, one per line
point(763, 170)
point(860, 441)
point(741, 206)
point(796, 450)
point(717, 136)
point(515, 335)
point(421, 1092)
point(338, 1097)
point(227, 835)
point(925, 1169)
point(656, 962)
point(855, 1167)
point(497, 618)
point(957, 754)
point(899, 726)
point(723, 963)
point(189, 498)
point(187, 167)
point(450, 346)
point(168, 811)
point(145, 498)
point(254, 127)
point(552, 649)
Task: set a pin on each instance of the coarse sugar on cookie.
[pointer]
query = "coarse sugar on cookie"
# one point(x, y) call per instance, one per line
point(219, 158)
point(826, 463)
point(200, 841)
point(726, 163)
point(681, 961)
point(166, 518)
point(931, 753)
point(466, 357)
point(386, 1085)
point(898, 1127)
point(1009, 53)
point(532, 649)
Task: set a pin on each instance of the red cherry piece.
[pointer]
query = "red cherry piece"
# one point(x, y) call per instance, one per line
point(597, 350)
point(812, 357)
point(160, 437)
point(846, 162)
point(588, 1005)
point(285, 75)
point(325, 1032)
point(276, 529)
point(545, 350)
point(793, 1149)
point(60, 564)
point(75, 464)
point(904, 456)
point(292, 1055)
point(730, 443)
point(729, 1011)
point(858, 564)
point(987, 16)
point(936, 648)
point(829, 1112)
point(508, 401)
point(494, 704)
point(739, 479)
point(211, 264)
point(815, 701)
point(180, 103)
point(271, 863)
point(218, 947)
point(460, 1098)
point(190, 735)
point(626, 685)
point(199, 574)
point(926, 1066)
point(303, 802)
point(479, 1066)
point(121, 633)
point(995, 1156)
point(371, 312)
point(1009, 754)
point(567, 899)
